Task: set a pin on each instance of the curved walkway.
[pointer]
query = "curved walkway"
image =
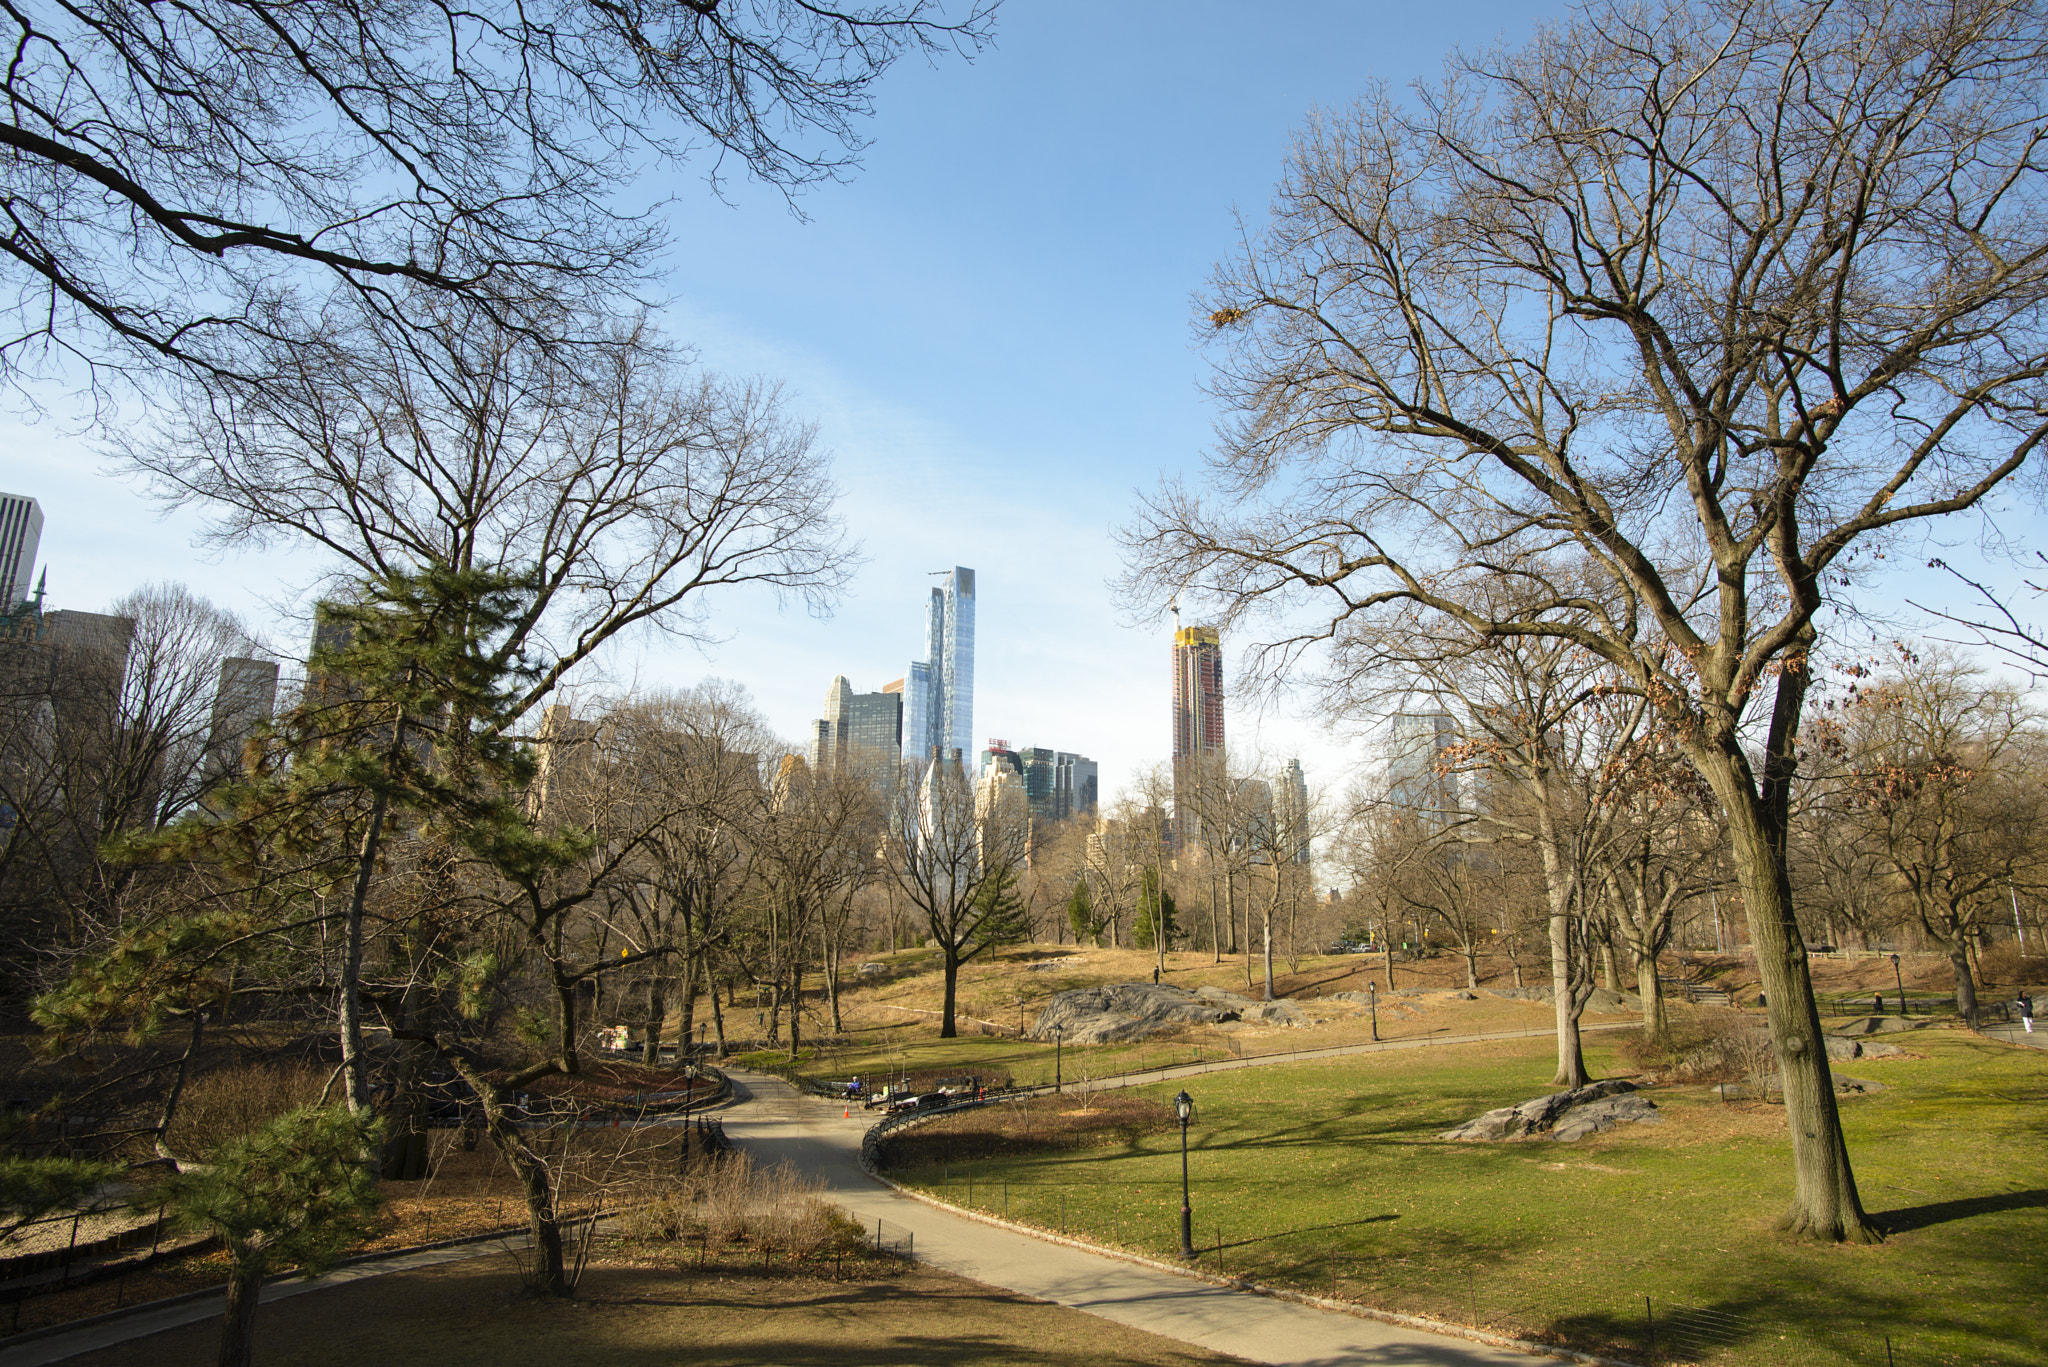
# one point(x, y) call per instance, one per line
point(776, 1122)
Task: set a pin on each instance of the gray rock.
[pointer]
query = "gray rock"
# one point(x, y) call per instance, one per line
point(1223, 996)
point(1539, 1114)
point(1466, 996)
point(1602, 1002)
point(1596, 1116)
point(1856, 1086)
point(1117, 1012)
point(1272, 1013)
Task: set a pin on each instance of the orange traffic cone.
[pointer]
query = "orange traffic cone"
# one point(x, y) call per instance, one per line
point(847, 1114)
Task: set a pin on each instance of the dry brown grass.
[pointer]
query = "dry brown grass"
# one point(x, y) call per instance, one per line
point(732, 1313)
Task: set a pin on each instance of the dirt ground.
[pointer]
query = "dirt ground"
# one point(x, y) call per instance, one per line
point(472, 1314)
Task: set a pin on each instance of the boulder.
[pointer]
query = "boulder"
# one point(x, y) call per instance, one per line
point(1540, 1114)
point(1117, 1012)
point(1628, 1109)
point(1603, 1002)
point(1272, 1013)
point(1843, 1047)
point(1223, 996)
point(1466, 996)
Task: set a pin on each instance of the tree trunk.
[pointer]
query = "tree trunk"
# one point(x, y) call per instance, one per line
point(1825, 1203)
point(1215, 930)
point(796, 1006)
point(238, 1320)
point(1652, 992)
point(1966, 981)
point(1266, 923)
point(657, 1016)
point(1559, 885)
point(687, 1013)
point(355, 1074)
point(1471, 954)
point(947, 1029)
point(831, 953)
point(1571, 1060)
point(1609, 972)
point(717, 1012)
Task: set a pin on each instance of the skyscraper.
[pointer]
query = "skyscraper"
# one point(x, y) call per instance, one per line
point(1294, 809)
point(1197, 714)
point(858, 729)
point(21, 532)
point(1418, 778)
point(938, 692)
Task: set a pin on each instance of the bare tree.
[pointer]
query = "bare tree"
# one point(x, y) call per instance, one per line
point(957, 860)
point(1701, 302)
point(172, 187)
point(1938, 772)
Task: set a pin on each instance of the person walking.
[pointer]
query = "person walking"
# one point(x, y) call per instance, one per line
point(2026, 1006)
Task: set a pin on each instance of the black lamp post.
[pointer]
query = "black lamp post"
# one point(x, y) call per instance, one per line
point(1059, 1034)
point(1184, 1107)
point(1901, 982)
point(1372, 993)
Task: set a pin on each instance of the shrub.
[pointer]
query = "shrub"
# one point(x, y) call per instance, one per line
point(220, 1107)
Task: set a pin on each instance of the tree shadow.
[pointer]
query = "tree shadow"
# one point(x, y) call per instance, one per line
point(1305, 1229)
point(1941, 1212)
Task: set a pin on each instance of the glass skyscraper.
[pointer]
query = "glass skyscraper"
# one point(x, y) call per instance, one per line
point(938, 692)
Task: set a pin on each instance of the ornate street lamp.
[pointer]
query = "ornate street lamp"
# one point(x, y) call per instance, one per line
point(1184, 1107)
point(1901, 982)
point(1059, 1034)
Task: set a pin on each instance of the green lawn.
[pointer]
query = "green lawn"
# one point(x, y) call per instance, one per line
point(1329, 1175)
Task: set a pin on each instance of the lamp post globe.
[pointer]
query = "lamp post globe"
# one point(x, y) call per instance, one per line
point(1184, 1108)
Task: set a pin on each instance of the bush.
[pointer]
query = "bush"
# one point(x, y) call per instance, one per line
point(1705, 1044)
point(2004, 966)
point(733, 1200)
point(221, 1107)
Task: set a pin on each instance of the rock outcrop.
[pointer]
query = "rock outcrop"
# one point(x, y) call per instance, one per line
point(1564, 1115)
point(1843, 1047)
point(1117, 1012)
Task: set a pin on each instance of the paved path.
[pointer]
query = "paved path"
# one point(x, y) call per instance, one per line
point(775, 1122)
point(2018, 1034)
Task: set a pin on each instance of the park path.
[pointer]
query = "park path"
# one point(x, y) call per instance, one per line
point(778, 1122)
point(775, 1122)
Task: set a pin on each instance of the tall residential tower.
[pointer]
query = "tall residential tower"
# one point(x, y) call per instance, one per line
point(938, 692)
point(1197, 715)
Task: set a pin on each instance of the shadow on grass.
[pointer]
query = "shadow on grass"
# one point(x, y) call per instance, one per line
point(1941, 1212)
point(1306, 1229)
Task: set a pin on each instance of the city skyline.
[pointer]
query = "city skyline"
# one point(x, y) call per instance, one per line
point(906, 313)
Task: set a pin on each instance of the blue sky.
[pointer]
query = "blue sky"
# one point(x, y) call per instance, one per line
point(991, 325)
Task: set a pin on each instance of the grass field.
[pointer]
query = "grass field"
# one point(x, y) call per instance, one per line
point(1328, 1176)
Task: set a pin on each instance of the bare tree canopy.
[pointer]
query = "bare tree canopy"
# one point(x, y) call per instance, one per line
point(621, 479)
point(171, 172)
point(1666, 319)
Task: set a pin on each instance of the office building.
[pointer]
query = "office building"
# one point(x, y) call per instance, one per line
point(21, 533)
point(1420, 778)
point(858, 729)
point(1074, 785)
point(1294, 809)
point(938, 692)
point(245, 698)
point(1000, 753)
point(1197, 717)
